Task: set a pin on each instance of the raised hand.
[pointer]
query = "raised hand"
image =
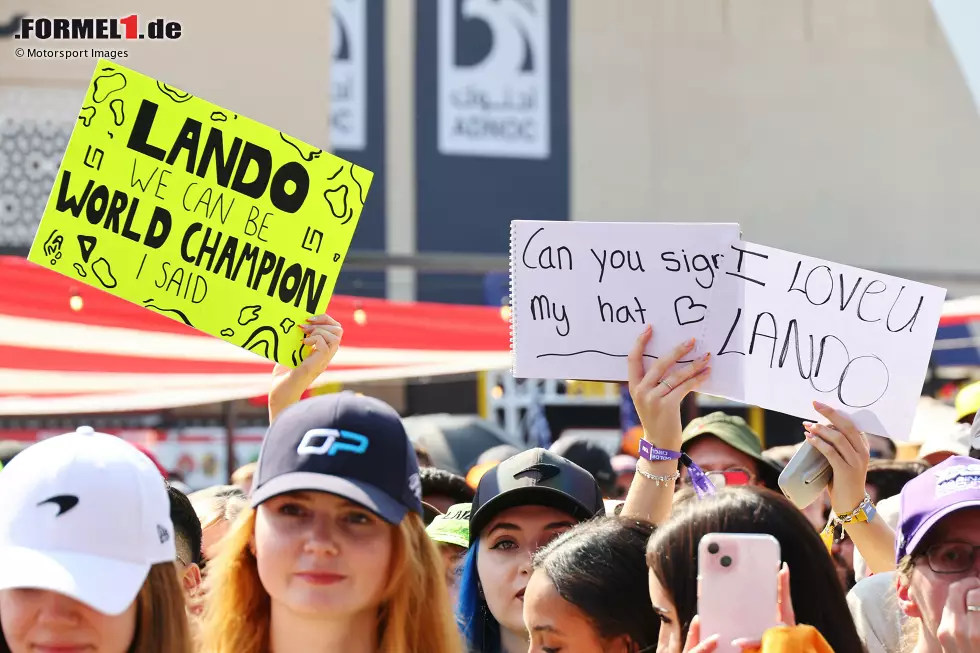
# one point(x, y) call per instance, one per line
point(323, 336)
point(846, 449)
point(848, 453)
point(658, 390)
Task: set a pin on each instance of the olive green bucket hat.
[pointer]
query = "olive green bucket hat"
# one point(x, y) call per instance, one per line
point(737, 434)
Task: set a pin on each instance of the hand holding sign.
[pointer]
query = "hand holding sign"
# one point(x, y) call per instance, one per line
point(657, 392)
point(321, 344)
point(323, 334)
point(848, 452)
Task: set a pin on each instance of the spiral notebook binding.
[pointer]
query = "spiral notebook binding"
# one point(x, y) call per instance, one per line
point(510, 299)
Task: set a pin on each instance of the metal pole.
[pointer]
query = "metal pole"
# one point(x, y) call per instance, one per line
point(229, 412)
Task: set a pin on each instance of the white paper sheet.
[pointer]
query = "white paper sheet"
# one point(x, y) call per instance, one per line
point(583, 291)
point(784, 329)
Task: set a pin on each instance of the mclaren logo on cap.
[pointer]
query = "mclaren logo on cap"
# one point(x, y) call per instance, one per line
point(65, 502)
point(317, 442)
point(539, 472)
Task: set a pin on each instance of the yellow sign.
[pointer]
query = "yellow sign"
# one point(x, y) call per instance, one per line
point(199, 214)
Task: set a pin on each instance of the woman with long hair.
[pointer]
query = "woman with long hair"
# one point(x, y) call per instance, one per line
point(533, 497)
point(588, 591)
point(938, 565)
point(672, 554)
point(87, 551)
point(332, 554)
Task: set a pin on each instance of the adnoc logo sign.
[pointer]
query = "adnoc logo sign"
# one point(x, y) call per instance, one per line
point(494, 69)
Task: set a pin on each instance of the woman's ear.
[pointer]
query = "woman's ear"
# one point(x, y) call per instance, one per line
point(906, 601)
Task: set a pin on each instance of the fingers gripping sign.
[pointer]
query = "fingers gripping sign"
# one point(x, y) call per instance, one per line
point(657, 391)
point(321, 344)
point(849, 454)
point(323, 335)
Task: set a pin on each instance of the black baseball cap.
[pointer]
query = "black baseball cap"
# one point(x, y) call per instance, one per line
point(588, 455)
point(535, 477)
point(346, 444)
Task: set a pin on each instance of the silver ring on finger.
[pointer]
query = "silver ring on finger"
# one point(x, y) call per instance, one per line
point(973, 608)
point(664, 381)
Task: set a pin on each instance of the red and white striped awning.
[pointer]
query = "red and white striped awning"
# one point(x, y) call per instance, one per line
point(115, 356)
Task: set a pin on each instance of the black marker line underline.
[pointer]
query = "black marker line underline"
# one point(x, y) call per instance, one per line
point(603, 353)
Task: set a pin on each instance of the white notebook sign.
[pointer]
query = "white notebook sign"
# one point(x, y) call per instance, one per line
point(582, 291)
point(783, 329)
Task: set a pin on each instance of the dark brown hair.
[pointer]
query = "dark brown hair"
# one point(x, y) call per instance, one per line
point(598, 567)
point(890, 476)
point(818, 598)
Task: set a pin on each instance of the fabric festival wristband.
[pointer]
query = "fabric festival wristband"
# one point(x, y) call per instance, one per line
point(702, 485)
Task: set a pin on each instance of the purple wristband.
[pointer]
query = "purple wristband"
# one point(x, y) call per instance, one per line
point(702, 484)
point(653, 454)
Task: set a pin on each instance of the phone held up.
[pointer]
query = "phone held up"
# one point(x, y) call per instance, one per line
point(805, 476)
point(738, 587)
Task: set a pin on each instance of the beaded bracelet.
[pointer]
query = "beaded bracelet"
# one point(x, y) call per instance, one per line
point(659, 479)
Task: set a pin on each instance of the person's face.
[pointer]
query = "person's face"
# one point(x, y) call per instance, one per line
point(212, 535)
point(452, 558)
point(556, 625)
point(713, 455)
point(623, 482)
point(504, 557)
point(39, 621)
point(924, 594)
point(670, 628)
point(322, 555)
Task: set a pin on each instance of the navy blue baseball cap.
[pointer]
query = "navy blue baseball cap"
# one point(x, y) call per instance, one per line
point(346, 444)
point(536, 477)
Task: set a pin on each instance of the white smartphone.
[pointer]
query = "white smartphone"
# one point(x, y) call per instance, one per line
point(805, 476)
point(737, 587)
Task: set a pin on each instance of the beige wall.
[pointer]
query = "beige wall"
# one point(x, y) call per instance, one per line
point(266, 60)
point(837, 128)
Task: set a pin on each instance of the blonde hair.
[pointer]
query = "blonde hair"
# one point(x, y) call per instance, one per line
point(161, 619)
point(218, 503)
point(414, 616)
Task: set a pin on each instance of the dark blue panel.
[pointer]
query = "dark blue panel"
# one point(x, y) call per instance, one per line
point(370, 234)
point(466, 203)
point(964, 351)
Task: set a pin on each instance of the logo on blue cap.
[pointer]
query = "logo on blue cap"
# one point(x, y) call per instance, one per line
point(317, 442)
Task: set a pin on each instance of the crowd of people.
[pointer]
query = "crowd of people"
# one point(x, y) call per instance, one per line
point(343, 537)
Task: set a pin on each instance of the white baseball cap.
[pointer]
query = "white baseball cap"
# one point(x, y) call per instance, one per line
point(86, 515)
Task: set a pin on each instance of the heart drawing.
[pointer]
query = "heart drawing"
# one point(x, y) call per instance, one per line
point(690, 310)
